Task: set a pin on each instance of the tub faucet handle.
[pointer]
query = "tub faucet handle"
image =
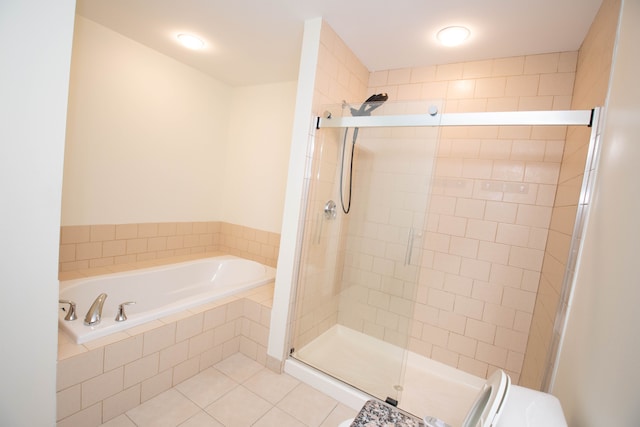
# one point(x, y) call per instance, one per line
point(122, 316)
point(71, 315)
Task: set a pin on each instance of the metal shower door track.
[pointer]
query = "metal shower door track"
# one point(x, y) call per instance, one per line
point(508, 118)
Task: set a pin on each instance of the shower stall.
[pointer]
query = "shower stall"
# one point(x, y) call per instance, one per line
point(423, 242)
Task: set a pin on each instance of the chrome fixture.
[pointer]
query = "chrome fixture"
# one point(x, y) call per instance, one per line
point(122, 316)
point(409, 251)
point(71, 315)
point(94, 315)
point(373, 102)
point(330, 210)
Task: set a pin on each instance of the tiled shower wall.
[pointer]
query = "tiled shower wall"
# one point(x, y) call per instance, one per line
point(92, 246)
point(592, 79)
point(489, 210)
point(391, 187)
point(339, 76)
point(490, 207)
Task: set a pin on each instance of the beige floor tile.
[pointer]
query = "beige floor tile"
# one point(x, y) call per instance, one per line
point(206, 387)
point(271, 386)
point(201, 419)
point(239, 407)
point(307, 405)
point(239, 367)
point(119, 421)
point(166, 409)
point(338, 415)
point(276, 417)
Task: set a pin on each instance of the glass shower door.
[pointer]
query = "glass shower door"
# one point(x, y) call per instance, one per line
point(359, 271)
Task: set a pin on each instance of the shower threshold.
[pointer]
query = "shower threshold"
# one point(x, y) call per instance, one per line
point(427, 387)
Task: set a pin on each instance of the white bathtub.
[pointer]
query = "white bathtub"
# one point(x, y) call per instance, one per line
point(157, 292)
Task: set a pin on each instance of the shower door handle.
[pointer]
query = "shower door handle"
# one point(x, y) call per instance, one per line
point(407, 252)
point(410, 241)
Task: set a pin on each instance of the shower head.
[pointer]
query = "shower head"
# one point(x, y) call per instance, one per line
point(373, 102)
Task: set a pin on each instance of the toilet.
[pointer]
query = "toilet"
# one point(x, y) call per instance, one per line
point(501, 404)
point(531, 408)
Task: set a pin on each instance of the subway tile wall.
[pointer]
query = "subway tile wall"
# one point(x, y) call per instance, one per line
point(93, 246)
point(339, 76)
point(489, 208)
point(486, 228)
point(592, 79)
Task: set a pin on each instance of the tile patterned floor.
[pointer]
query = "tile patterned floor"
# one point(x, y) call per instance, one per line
point(237, 392)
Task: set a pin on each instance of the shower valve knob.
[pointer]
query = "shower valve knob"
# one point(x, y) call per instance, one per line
point(330, 210)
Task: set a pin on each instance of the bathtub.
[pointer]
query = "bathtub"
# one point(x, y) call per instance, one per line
point(157, 292)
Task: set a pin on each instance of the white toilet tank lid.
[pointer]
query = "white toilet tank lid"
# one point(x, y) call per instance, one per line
point(532, 408)
point(487, 407)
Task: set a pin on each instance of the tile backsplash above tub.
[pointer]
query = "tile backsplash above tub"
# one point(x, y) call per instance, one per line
point(91, 246)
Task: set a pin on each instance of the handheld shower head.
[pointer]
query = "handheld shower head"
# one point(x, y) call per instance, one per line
point(373, 102)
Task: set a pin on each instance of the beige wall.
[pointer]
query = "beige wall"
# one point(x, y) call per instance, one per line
point(151, 140)
point(34, 82)
point(146, 135)
point(259, 140)
point(592, 81)
point(597, 375)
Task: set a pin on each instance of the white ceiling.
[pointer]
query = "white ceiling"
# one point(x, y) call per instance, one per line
point(258, 41)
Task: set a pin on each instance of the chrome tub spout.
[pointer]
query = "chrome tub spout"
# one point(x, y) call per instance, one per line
point(94, 315)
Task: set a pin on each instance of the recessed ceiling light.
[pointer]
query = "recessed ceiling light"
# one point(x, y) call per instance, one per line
point(190, 41)
point(453, 36)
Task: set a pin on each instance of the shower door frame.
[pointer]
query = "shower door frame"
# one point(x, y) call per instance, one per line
point(518, 118)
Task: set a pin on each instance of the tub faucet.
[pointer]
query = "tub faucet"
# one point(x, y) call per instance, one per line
point(94, 315)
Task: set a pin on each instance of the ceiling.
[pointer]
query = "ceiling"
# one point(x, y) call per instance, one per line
point(252, 42)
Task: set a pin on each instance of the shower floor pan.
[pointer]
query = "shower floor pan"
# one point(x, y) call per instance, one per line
point(427, 387)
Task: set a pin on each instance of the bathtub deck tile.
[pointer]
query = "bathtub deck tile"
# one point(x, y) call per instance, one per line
point(68, 348)
point(172, 318)
point(186, 370)
point(140, 370)
point(145, 327)
point(252, 310)
point(123, 352)
point(79, 368)
point(265, 316)
point(103, 386)
point(189, 327)
point(200, 343)
point(210, 357)
point(211, 305)
point(156, 385)
point(110, 339)
point(174, 355)
point(68, 401)
point(159, 338)
point(91, 416)
point(121, 402)
point(214, 317)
